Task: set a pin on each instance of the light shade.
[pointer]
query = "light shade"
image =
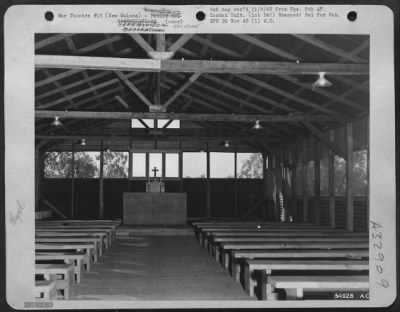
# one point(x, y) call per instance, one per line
point(321, 82)
point(56, 122)
point(83, 141)
point(257, 125)
point(226, 143)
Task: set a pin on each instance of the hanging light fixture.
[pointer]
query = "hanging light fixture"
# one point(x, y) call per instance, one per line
point(321, 82)
point(83, 142)
point(257, 125)
point(226, 143)
point(56, 122)
point(107, 149)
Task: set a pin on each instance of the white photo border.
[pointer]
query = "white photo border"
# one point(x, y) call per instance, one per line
point(22, 22)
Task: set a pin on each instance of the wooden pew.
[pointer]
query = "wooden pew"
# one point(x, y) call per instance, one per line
point(88, 248)
point(313, 239)
point(73, 239)
point(69, 232)
point(268, 266)
point(238, 256)
point(109, 230)
point(75, 258)
point(225, 248)
point(294, 285)
point(206, 232)
point(45, 290)
point(102, 235)
point(213, 237)
point(62, 274)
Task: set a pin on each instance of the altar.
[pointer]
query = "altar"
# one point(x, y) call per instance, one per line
point(155, 207)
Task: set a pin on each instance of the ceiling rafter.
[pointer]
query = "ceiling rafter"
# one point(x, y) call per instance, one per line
point(132, 87)
point(122, 102)
point(178, 44)
point(294, 98)
point(178, 116)
point(50, 40)
point(247, 92)
point(216, 46)
point(330, 48)
point(266, 46)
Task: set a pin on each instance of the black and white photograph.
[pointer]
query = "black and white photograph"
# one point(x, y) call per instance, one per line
point(200, 157)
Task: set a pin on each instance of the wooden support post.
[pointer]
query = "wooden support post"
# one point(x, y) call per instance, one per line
point(278, 179)
point(147, 165)
point(236, 207)
point(163, 165)
point(208, 188)
point(130, 164)
point(349, 178)
point(294, 181)
point(265, 186)
point(368, 164)
point(37, 177)
point(101, 182)
point(331, 182)
point(304, 181)
point(180, 166)
point(317, 184)
point(73, 180)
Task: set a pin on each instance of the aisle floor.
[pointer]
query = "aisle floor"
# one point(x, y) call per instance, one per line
point(150, 267)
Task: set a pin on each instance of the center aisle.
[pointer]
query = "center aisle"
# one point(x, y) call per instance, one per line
point(151, 267)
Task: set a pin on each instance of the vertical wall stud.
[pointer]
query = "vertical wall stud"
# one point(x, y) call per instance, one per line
point(331, 182)
point(101, 181)
point(317, 180)
point(349, 178)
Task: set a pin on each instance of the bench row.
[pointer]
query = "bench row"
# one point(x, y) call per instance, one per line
point(253, 250)
point(64, 250)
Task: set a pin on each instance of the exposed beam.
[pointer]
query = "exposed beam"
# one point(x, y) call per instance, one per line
point(179, 116)
point(180, 42)
point(247, 92)
point(50, 40)
point(330, 48)
point(122, 102)
point(132, 87)
point(320, 136)
point(186, 85)
point(59, 76)
point(172, 138)
point(220, 93)
point(142, 43)
point(294, 98)
point(266, 46)
point(200, 66)
point(216, 46)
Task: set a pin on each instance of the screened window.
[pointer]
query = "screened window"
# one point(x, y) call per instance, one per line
point(324, 176)
point(172, 165)
point(135, 123)
point(249, 165)
point(360, 173)
point(299, 180)
point(222, 165)
point(138, 164)
point(58, 165)
point(115, 164)
point(194, 165)
point(340, 175)
point(87, 164)
point(155, 164)
point(310, 178)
